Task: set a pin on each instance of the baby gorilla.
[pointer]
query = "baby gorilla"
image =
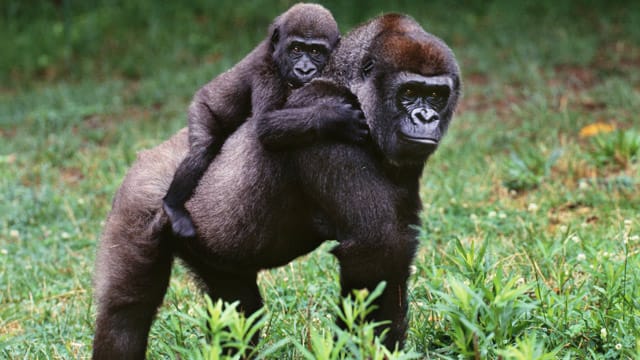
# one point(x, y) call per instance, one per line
point(296, 50)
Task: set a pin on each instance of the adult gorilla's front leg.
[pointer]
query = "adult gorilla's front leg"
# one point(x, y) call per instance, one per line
point(365, 263)
point(372, 221)
point(237, 286)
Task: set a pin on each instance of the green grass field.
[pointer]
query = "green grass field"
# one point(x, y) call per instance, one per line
point(530, 243)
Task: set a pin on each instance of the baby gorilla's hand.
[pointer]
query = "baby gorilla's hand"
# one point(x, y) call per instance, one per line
point(344, 121)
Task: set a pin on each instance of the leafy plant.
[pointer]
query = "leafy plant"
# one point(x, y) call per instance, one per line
point(357, 339)
point(527, 169)
point(481, 309)
point(619, 148)
point(528, 348)
point(222, 332)
point(228, 332)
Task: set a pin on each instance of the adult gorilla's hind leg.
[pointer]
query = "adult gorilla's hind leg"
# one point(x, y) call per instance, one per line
point(131, 278)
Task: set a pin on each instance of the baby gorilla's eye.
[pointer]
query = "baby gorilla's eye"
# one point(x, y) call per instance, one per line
point(409, 92)
point(315, 52)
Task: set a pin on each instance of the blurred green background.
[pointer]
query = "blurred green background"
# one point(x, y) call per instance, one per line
point(70, 39)
point(540, 165)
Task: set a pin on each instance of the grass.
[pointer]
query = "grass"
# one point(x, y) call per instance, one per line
point(530, 238)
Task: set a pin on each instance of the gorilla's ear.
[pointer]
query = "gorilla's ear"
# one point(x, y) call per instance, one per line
point(337, 41)
point(275, 36)
point(367, 66)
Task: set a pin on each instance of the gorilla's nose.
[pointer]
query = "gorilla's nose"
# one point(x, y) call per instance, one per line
point(304, 71)
point(424, 116)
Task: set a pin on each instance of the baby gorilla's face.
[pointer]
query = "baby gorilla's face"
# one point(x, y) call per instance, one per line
point(301, 59)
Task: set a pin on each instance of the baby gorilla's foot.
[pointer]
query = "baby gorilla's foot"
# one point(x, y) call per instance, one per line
point(181, 223)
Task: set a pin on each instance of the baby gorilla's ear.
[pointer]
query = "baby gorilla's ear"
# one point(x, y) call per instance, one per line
point(335, 45)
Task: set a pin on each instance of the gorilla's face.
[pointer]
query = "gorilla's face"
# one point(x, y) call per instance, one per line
point(409, 113)
point(408, 86)
point(300, 59)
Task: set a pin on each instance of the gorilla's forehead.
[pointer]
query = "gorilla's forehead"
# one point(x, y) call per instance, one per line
point(310, 40)
point(310, 21)
point(417, 53)
point(403, 44)
point(443, 80)
point(395, 42)
point(307, 31)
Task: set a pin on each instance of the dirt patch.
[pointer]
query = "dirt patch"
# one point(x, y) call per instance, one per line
point(481, 103)
point(106, 121)
point(12, 328)
point(618, 56)
point(71, 175)
point(7, 133)
point(574, 77)
point(564, 213)
point(574, 80)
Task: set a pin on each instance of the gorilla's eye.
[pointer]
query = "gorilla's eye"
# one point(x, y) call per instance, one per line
point(296, 49)
point(315, 51)
point(438, 96)
point(438, 92)
point(410, 92)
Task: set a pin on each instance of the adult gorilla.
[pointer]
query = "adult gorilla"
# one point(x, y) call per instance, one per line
point(256, 208)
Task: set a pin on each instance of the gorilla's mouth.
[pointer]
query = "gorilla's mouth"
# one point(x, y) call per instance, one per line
point(420, 140)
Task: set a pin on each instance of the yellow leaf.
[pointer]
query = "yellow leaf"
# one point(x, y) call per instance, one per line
point(595, 129)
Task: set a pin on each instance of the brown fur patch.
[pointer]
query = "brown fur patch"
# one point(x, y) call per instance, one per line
point(310, 21)
point(402, 43)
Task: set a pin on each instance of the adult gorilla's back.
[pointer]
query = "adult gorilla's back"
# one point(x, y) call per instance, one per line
point(256, 208)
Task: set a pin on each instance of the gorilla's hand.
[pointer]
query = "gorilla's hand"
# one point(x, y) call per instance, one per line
point(343, 121)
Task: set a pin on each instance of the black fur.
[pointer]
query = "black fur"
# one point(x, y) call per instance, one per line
point(256, 209)
point(296, 50)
